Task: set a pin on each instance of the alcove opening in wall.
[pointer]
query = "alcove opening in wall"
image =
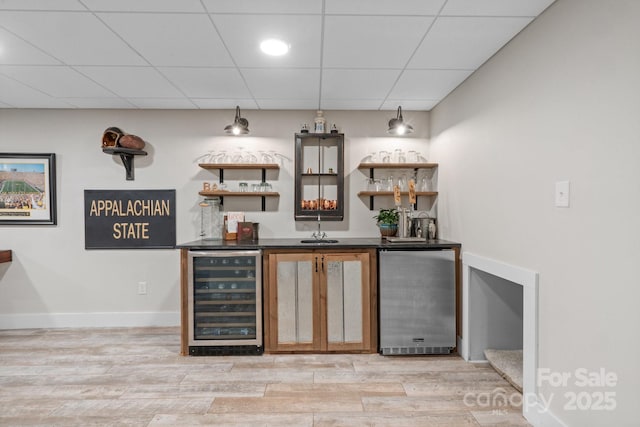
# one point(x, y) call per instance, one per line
point(495, 330)
point(500, 309)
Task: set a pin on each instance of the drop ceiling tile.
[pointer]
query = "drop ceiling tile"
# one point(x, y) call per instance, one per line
point(166, 39)
point(14, 50)
point(99, 103)
point(166, 103)
point(40, 5)
point(57, 33)
point(396, 7)
point(243, 33)
point(495, 7)
point(226, 104)
point(207, 82)
point(289, 83)
point(372, 41)
point(264, 6)
point(288, 104)
point(350, 104)
point(409, 105)
point(170, 54)
point(60, 81)
point(144, 5)
point(357, 84)
point(465, 43)
point(19, 95)
point(132, 82)
point(427, 84)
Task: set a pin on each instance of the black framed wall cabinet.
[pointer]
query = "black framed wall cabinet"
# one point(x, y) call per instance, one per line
point(319, 177)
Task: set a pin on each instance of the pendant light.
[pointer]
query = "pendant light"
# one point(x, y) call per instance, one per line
point(240, 125)
point(397, 126)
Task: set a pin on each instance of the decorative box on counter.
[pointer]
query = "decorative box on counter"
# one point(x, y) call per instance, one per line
point(231, 221)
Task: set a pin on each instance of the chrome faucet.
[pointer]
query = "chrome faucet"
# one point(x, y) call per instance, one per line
point(319, 235)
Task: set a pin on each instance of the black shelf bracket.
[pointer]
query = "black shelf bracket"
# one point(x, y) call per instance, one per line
point(264, 200)
point(371, 176)
point(127, 161)
point(127, 155)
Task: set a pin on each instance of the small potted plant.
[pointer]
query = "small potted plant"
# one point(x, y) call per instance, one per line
point(387, 222)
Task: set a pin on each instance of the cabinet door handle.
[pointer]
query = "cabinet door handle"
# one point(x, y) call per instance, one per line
point(322, 263)
point(316, 264)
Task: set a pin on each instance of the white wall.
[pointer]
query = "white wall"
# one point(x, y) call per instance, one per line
point(560, 102)
point(54, 281)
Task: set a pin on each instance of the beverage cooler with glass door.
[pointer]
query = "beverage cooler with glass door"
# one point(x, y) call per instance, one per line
point(225, 302)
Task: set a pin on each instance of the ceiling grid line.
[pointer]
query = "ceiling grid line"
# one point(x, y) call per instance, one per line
point(322, 28)
point(424, 36)
point(107, 26)
point(231, 56)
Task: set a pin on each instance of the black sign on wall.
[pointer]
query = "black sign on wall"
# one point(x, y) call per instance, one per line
point(129, 219)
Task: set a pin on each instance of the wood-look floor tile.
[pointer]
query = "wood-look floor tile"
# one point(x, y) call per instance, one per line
point(414, 404)
point(499, 418)
point(107, 379)
point(413, 364)
point(472, 402)
point(375, 377)
point(27, 406)
point(72, 421)
point(442, 387)
point(332, 391)
point(385, 419)
point(16, 370)
point(106, 407)
point(154, 369)
point(196, 390)
point(234, 420)
point(136, 377)
point(63, 392)
point(298, 404)
point(249, 375)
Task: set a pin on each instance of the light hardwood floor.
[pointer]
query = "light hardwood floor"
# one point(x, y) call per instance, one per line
point(135, 376)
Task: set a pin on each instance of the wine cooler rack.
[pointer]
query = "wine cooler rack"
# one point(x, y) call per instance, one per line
point(225, 302)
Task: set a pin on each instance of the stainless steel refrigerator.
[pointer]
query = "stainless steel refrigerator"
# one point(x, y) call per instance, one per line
point(417, 301)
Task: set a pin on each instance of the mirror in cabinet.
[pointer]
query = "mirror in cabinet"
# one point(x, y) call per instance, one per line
point(319, 176)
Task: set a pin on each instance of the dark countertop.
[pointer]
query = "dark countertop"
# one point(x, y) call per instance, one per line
point(290, 243)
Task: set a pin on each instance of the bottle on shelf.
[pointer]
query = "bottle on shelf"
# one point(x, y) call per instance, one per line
point(320, 123)
point(432, 229)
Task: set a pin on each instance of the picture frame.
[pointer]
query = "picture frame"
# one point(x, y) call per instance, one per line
point(28, 189)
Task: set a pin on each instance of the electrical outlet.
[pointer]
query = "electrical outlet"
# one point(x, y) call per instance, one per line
point(142, 288)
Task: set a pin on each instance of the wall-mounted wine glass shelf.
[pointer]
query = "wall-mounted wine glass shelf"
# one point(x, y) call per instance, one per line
point(415, 167)
point(240, 166)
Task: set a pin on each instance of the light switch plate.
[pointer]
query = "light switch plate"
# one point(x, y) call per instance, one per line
point(562, 194)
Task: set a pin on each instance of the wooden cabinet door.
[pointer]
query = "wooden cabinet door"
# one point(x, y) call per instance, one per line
point(345, 302)
point(294, 303)
point(320, 301)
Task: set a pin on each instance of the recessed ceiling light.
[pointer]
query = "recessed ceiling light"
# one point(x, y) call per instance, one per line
point(274, 47)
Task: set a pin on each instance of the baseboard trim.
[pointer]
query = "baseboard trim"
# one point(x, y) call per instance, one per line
point(89, 320)
point(538, 416)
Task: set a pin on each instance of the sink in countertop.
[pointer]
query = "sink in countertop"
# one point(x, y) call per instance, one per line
point(318, 241)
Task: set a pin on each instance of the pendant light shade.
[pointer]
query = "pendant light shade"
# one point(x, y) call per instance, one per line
point(397, 126)
point(240, 126)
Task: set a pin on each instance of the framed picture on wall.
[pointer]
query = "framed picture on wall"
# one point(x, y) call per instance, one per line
point(27, 188)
